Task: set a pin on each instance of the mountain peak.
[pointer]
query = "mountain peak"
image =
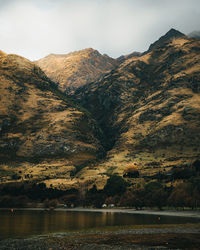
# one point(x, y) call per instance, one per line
point(171, 34)
point(87, 51)
point(77, 68)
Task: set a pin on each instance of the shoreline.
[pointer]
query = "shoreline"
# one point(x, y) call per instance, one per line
point(122, 239)
point(189, 214)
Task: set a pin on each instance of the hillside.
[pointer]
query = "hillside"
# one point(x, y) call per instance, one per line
point(44, 136)
point(144, 114)
point(76, 69)
point(149, 109)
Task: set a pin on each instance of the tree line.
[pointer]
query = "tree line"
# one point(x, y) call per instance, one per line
point(117, 191)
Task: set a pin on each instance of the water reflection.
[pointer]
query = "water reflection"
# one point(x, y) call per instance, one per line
point(25, 223)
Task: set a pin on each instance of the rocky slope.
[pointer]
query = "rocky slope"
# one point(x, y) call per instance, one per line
point(43, 135)
point(149, 108)
point(76, 69)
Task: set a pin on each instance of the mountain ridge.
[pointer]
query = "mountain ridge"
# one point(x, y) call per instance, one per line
point(171, 34)
point(139, 109)
point(77, 68)
point(143, 111)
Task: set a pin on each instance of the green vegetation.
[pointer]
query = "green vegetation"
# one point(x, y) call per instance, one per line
point(115, 185)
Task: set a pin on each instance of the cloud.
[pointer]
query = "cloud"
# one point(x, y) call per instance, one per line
point(35, 28)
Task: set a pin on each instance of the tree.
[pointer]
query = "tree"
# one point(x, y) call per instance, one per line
point(183, 173)
point(158, 198)
point(153, 186)
point(94, 197)
point(13, 201)
point(16, 177)
point(109, 200)
point(115, 185)
point(155, 195)
point(51, 203)
point(196, 164)
point(127, 199)
point(131, 171)
point(181, 195)
point(138, 198)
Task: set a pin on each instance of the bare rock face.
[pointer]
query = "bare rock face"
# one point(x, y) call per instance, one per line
point(39, 126)
point(149, 107)
point(76, 69)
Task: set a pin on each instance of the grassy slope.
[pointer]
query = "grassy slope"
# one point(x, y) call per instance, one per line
point(150, 109)
point(43, 134)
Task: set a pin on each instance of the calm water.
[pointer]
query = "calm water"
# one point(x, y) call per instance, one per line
point(27, 223)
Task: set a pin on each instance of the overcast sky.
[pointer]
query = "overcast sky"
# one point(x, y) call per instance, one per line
point(36, 28)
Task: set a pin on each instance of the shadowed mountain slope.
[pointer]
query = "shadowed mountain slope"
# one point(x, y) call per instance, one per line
point(149, 107)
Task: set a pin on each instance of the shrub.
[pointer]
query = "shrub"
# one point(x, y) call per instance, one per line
point(196, 164)
point(131, 171)
point(13, 201)
point(51, 203)
point(155, 195)
point(115, 185)
point(127, 199)
point(183, 173)
point(15, 177)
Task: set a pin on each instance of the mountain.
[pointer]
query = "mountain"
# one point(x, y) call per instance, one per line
point(122, 58)
point(170, 35)
point(44, 136)
point(76, 69)
point(144, 114)
point(149, 108)
point(194, 34)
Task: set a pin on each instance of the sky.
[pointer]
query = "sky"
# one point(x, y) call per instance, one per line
point(36, 28)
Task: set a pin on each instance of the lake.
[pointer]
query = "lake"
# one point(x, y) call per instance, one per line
point(24, 223)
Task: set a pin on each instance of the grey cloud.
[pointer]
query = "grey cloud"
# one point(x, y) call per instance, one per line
point(35, 28)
